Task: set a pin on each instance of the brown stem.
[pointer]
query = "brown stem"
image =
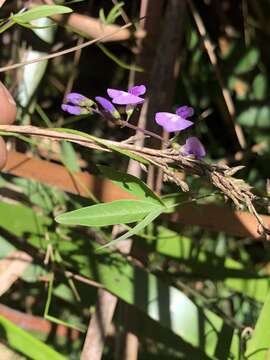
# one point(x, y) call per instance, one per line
point(144, 131)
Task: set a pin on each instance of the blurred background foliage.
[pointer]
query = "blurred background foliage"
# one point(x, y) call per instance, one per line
point(191, 293)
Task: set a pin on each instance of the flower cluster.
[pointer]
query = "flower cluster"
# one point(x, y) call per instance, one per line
point(77, 104)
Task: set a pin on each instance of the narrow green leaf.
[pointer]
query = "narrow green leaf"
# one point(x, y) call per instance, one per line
point(110, 146)
point(115, 212)
point(118, 61)
point(131, 184)
point(39, 12)
point(127, 153)
point(69, 157)
point(114, 13)
point(102, 16)
point(141, 225)
point(259, 346)
point(27, 344)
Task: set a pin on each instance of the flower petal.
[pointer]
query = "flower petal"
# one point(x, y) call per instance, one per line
point(127, 99)
point(193, 146)
point(75, 98)
point(185, 111)
point(115, 93)
point(172, 122)
point(137, 90)
point(108, 106)
point(72, 109)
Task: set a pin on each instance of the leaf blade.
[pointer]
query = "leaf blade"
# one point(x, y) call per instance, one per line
point(131, 184)
point(40, 12)
point(26, 343)
point(106, 214)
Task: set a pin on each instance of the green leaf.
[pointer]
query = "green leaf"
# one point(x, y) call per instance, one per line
point(39, 12)
point(163, 303)
point(256, 289)
point(131, 184)
point(259, 346)
point(69, 157)
point(109, 145)
point(114, 13)
point(127, 153)
point(118, 61)
point(247, 62)
point(141, 225)
point(255, 116)
point(25, 343)
point(102, 16)
point(115, 212)
point(173, 200)
point(259, 87)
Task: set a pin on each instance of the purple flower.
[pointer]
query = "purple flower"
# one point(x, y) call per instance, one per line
point(185, 111)
point(131, 97)
point(175, 122)
point(75, 98)
point(107, 107)
point(193, 146)
point(72, 109)
point(77, 104)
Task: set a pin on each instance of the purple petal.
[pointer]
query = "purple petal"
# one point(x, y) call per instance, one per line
point(115, 93)
point(75, 98)
point(172, 122)
point(127, 99)
point(108, 106)
point(193, 146)
point(185, 111)
point(137, 90)
point(72, 109)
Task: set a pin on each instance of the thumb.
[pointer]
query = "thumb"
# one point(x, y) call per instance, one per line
point(7, 116)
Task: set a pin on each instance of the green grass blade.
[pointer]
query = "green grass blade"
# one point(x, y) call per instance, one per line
point(25, 343)
point(258, 346)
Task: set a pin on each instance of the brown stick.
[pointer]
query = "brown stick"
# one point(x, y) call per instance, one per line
point(98, 326)
point(2, 3)
point(12, 267)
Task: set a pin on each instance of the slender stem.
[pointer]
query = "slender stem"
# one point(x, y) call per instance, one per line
point(66, 51)
point(133, 127)
point(146, 132)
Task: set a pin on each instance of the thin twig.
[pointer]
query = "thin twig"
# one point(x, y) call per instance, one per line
point(66, 51)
